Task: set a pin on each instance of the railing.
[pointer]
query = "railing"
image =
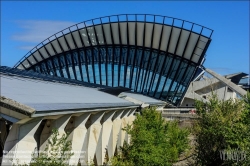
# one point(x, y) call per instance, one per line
point(158, 19)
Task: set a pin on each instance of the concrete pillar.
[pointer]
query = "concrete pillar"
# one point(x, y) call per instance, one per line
point(122, 134)
point(114, 133)
point(77, 136)
point(20, 143)
point(59, 124)
point(104, 137)
point(93, 135)
point(129, 121)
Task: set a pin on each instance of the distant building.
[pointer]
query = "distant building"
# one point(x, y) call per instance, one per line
point(226, 87)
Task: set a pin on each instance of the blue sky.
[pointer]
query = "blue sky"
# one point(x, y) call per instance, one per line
point(26, 24)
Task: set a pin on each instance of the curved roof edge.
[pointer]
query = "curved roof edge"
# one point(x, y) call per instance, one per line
point(145, 18)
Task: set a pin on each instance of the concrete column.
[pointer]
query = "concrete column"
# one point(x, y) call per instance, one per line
point(59, 124)
point(131, 117)
point(93, 135)
point(122, 134)
point(77, 136)
point(114, 133)
point(129, 120)
point(20, 143)
point(104, 137)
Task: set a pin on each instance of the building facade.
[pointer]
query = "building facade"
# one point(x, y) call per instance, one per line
point(157, 56)
point(90, 79)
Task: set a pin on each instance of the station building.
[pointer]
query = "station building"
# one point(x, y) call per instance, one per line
point(92, 78)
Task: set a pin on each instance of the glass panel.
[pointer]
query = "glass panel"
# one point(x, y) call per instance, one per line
point(171, 92)
point(133, 79)
point(55, 60)
point(174, 68)
point(91, 79)
point(138, 57)
point(97, 74)
point(43, 67)
point(139, 81)
point(69, 60)
point(182, 70)
point(128, 76)
point(153, 61)
point(122, 70)
point(96, 55)
point(89, 56)
point(62, 61)
point(109, 75)
point(145, 59)
point(115, 75)
point(117, 55)
point(124, 55)
point(148, 80)
point(75, 58)
point(188, 75)
point(110, 54)
point(72, 76)
point(78, 74)
point(166, 88)
point(49, 64)
point(82, 57)
point(154, 85)
point(65, 73)
point(37, 68)
point(131, 56)
point(84, 73)
point(160, 63)
point(103, 74)
point(168, 62)
point(58, 73)
point(160, 87)
point(103, 55)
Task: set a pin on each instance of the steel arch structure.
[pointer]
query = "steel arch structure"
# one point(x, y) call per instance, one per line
point(154, 55)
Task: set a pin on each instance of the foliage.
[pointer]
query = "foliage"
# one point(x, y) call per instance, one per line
point(153, 141)
point(56, 153)
point(222, 126)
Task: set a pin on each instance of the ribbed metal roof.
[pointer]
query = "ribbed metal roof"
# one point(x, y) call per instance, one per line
point(53, 96)
point(150, 31)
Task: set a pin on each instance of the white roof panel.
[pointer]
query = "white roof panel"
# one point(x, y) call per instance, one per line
point(44, 95)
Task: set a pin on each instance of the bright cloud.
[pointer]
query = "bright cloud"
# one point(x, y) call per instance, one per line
point(36, 31)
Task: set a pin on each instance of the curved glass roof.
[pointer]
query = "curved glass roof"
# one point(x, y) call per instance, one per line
point(154, 55)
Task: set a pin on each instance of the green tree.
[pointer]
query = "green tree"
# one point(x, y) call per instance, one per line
point(222, 126)
point(56, 153)
point(153, 141)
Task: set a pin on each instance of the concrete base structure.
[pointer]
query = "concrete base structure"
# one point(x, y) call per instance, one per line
point(94, 135)
point(225, 87)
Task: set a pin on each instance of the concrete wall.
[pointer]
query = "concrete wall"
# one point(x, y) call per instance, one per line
point(201, 90)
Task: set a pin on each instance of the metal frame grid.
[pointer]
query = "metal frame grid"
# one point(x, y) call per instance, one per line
point(105, 60)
